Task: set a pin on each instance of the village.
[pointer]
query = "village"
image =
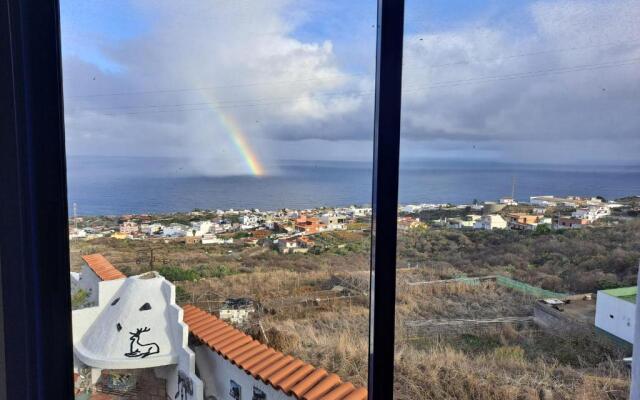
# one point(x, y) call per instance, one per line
point(292, 231)
point(298, 281)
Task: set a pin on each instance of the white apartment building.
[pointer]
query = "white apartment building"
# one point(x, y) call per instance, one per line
point(592, 213)
point(491, 221)
point(251, 220)
point(334, 222)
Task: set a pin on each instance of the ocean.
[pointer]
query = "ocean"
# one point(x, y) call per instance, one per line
point(124, 185)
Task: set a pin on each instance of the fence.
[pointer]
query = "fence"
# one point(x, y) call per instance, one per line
point(527, 289)
point(501, 280)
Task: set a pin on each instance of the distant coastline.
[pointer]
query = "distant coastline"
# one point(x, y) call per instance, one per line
point(126, 185)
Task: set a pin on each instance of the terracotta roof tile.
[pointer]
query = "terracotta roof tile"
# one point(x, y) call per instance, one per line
point(282, 372)
point(226, 349)
point(285, 372)
point(242, 349)
point(291, 380)
point(308, 382)
point(248, 354)
point(323, 387)
point(102, 267)
point(358, 394)
point(257, 359)
point(267, 362)
point(339, 391)
point(266, 373)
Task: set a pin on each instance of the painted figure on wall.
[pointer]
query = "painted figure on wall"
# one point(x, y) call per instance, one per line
point(138, 349)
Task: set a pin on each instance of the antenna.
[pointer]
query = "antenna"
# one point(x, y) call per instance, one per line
point(513, 188)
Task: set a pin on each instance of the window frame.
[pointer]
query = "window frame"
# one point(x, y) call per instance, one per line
point(34, 252)
point(34, 246)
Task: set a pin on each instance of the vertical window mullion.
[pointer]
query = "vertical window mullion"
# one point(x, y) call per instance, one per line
point(385, 197)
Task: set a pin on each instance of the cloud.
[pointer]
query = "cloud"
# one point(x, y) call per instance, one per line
point(558, 83)
point(198, 78)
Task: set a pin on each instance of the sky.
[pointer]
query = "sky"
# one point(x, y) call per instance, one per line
point(237, 86)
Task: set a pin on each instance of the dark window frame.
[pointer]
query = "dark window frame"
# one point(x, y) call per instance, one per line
point(34, 257)
point(34, 252)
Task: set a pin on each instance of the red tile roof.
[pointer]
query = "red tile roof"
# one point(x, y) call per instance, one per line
point(102, 267)
point(290, 375)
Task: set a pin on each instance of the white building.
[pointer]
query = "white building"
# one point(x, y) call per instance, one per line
point(129, 227)
point(77, 234)
point(199, 228)
point(491, 221)
point(334, 222)
point(96, 269)
point(210, 238)
point(410, 208)
point(175, 230)
point(510, 201)
point(236, 311)
point(466, 222)
point(360, 211)
point(151, 229)
point(286, 246)
point(249, 220)
point(592, 213)
point(235, 366)
point(136, 328)
point(615, 311)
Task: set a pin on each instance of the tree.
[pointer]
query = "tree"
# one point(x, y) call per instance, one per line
point(78, 299)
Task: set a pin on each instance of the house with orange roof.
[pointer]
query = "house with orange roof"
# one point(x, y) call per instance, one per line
point(523, 221)
point(308, 225)
point(136, 339)
point(96, 269)
point(133, 340)
point(233, 365)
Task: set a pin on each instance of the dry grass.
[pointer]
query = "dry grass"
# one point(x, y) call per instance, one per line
point(504, 362)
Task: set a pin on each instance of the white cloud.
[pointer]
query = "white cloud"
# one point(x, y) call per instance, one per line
point(548, 87)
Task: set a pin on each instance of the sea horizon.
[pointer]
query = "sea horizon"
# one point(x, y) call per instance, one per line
point(118, 185)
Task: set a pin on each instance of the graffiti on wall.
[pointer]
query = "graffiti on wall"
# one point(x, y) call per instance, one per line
point(139, 349)
point(185, 386)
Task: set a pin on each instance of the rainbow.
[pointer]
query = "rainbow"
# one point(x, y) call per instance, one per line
point(238, 137)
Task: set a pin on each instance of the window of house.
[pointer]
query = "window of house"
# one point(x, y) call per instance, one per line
point(258, 394)
point(234, 390)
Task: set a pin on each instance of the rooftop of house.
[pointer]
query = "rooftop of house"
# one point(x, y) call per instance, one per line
point(626, 293)
point(238, 303)
point(103, 268)
point(133, 311)
point(292, 376)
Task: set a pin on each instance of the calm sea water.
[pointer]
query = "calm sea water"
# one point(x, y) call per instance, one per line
point(118, 185)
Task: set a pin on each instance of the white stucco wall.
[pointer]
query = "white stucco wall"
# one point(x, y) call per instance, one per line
point(216, 372)
point(89, 283)
point(186, 357)
point(103, 346)
point(615, 316)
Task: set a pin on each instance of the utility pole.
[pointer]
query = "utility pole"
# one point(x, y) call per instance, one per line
point(513, 188)
point(75, 216)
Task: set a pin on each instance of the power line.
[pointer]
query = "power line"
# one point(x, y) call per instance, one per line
point(267, 83)
point(406, 89)
point(201, 88)
point(534, 53)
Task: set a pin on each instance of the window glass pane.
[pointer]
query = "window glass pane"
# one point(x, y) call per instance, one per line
point(219, 169)
point(519, 190)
